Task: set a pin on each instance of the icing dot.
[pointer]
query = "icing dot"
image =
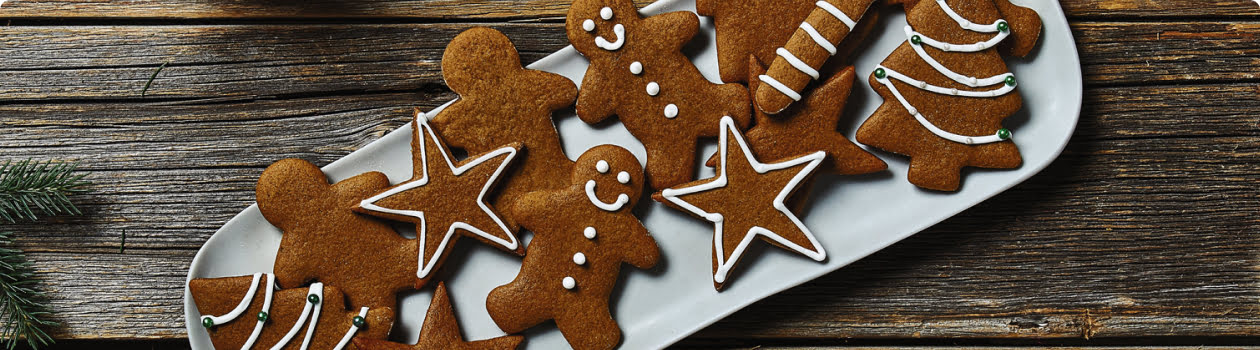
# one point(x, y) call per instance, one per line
point(1003, 26)
point(605, 13)
point(945, 46)
point(313, 299)
point(1010, 80)
point(358, 321)
point(623, 177)
point(880, 73)
point(207, 322)
point(636, 68)
point(653, 88)
point(262, 316)
point(579, 258)
point(589, 232)
point(915, 39)
point(588, 25)
point(569, 282)
point(671, 111)
point(1004, 133)
point(602, 166)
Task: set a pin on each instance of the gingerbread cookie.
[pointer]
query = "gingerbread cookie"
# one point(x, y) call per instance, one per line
point(242, 312)
point(760, 27)
point(810, 126)
point(746, 201)
point(446, 199)
point(582, 235)
point(638, 73)
point(947, 90)
point(441, 332)
point(501, 102)
point(323, 235)
point(810, 46)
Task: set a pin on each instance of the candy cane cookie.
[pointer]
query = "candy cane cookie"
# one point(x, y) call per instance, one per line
point(798, 62)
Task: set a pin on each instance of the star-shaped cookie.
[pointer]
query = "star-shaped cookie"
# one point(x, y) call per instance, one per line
point(441, 331)
point(746, 201)
point(809, 126)
point(445, 199)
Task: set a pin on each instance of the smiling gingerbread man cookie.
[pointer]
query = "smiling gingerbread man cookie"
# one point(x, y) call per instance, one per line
point(582, 235)
point(638, 73)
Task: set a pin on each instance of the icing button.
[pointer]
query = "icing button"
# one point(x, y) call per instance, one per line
point(636, 68)
point(671, 111)
point(579, 258)
point(653, 89)
point(569, 283)
point(605, 13)
point(589, 232)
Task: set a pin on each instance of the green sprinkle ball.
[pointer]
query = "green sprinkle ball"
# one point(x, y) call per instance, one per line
point(1003, 27)
point(358, 321)
point(262, 316)
point(1010, 80)
point(207, 322)
point(880, 73)
point(916, 40)
point(1004, 134)
point(314, 299)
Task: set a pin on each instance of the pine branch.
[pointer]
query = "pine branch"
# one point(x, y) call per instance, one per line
point(22, 307)
point(29, 186)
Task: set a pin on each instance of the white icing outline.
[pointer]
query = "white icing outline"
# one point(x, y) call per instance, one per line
point(818, 38)
point(315, 289)
point(620, 31)
point(266, 308)
point(961, 79)
point(621, 201)
point(425, 269)
point(784, 89)
point(835, 12)
point(725, 264)
point(240, 308)
point(797, 63)
point(967, 24)
point(353, 329)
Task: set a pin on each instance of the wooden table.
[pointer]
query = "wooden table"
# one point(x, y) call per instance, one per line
point(1146, 229)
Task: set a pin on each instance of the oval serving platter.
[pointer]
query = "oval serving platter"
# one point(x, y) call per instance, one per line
point(851, 216)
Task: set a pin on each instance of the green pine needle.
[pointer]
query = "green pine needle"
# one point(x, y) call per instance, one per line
point(22, 307)
point(30, 186)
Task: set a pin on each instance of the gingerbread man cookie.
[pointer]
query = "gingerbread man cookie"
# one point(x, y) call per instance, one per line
point(805, 52)
point(242, 312)
point(501, 102)
point(946, 90)
point(582, 235)
point(323, 236)
point(441, 332)
point(446, 199)
point(746, 200)
point(638, 73)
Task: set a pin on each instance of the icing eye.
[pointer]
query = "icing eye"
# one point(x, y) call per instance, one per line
point(602, 166)
point(623, 177)
point(588, 25)
point(605, 13)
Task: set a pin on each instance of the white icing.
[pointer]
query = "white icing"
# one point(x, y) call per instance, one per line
point(350, 333)
point(621, 201)
point(426, 264)
point(316, 289)
point(606, 13)
point(797, 63)
point(266, 308)
point(653, 88)
point(636, 68)
point(589, 232)
point(961, 79)
point(618, 30)
point(623, 177)
point(568, 282)
point(818, 38)
point(975, 47)
point(579, 258)
point(1003, 90)
point(725, 263)
point(601, 166)
point(671, 111)
point(240, 307)
point(835, 12)
point(310, 329)
point(779, 86)
point(966, 24)
point(588, 25)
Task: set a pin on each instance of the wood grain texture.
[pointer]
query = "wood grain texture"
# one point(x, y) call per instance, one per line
point(1146, 226)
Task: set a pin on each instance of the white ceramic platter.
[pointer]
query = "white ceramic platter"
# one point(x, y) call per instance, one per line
point(852, 216)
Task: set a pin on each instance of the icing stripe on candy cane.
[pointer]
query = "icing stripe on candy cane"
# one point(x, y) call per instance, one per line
point(802, 54)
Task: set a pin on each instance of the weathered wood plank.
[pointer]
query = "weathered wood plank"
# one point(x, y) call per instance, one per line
point(239, 62)
point(512, 10)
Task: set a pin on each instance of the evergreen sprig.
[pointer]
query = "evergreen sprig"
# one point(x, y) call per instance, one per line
point(29, 186)
point(22, 306)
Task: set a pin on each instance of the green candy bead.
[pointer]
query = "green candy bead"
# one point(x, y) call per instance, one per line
point(880, 73)
point(314, 299)
point(1003, 27)
point(916, 40)
point(358, 321)
point(1010, 80)
point(1004, 134)
point(207, 322)
point(262, 316)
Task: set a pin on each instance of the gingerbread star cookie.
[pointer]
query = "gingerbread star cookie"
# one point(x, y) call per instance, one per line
point(745, 201)
point(946, 89)
point(810, 126)
point(638, 73)
point(583, 233)
point(441, 332)
point(446, 199)
point(323, 236)
point(501, 102)
point(244, 312)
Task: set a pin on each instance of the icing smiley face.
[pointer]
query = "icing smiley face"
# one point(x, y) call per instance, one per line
point(597, 26)
point(610, 176)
